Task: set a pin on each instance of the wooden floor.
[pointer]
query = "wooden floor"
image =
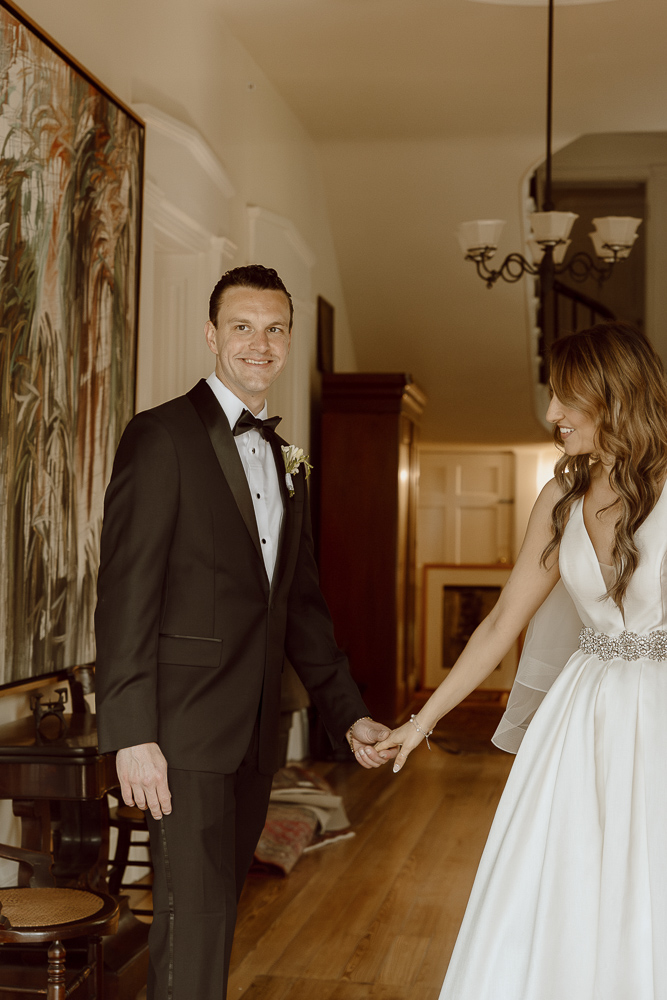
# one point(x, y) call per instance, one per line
point(375, 916)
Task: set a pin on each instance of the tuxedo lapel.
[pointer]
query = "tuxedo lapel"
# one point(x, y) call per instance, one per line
point(292, 514)
point(217, 426)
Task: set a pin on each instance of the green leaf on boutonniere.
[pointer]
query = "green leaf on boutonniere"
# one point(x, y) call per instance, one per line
point(293, 458)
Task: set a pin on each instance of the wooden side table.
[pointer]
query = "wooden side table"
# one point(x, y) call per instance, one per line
point(59, 790)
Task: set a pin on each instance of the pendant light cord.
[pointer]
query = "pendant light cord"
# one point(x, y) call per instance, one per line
point(548, 201)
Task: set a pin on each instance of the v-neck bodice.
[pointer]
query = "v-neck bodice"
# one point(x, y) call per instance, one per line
point(645, 605)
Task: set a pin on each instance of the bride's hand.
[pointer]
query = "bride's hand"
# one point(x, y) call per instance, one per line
point(407, 738)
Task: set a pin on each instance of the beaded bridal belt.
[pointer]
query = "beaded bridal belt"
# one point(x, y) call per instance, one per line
point(626, 646)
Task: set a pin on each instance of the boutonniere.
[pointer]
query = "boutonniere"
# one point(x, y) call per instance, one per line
point(293, 458)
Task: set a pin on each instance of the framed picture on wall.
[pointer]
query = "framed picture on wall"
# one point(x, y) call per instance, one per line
point(325, 335)
point(455, 600)
point(71, 172)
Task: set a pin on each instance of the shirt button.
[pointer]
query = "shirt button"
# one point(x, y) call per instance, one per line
point(253, 451)
point(259, 496)
point(264, 541)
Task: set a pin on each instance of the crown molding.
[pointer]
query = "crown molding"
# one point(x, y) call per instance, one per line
point(291, 233)
point(179, 232)
point(190, 139)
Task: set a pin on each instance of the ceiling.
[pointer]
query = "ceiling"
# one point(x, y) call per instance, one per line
point(424, 68)
point(428, 112)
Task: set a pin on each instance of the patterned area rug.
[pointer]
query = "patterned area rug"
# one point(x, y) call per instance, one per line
point(304, 813)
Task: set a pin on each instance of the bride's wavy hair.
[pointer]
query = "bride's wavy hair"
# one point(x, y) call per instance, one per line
point(612, 374)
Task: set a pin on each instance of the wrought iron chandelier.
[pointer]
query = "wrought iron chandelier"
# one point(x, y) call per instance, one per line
point(613, 238)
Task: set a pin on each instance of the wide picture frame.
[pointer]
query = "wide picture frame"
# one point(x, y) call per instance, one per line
point(71, 176)
point(455, 600)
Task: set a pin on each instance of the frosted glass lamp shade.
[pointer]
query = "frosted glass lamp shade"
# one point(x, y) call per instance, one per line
point(552, 227)
point(617, 230)
point(608, 254)
point(537, 251)
point(479, 236)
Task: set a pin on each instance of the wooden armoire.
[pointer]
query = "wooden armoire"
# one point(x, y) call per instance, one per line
point(368, 501)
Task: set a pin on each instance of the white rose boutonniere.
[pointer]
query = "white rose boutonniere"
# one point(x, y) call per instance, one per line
point(293, 458)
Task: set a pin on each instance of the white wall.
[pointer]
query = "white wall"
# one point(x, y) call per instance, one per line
point(183, 60)
point(395, 206)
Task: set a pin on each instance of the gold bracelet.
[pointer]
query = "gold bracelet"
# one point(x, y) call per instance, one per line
point(350, 728)
point(413, 720)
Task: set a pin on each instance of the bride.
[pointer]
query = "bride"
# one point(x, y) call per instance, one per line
point(570, 899)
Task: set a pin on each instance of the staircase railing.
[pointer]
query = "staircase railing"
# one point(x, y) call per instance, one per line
point(565, 310)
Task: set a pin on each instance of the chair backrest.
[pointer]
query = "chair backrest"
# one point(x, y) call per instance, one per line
point(39, 863)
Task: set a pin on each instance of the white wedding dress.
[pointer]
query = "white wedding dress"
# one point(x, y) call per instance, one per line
point(570, 899)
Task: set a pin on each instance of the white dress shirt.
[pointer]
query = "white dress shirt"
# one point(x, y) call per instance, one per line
point(260, 469)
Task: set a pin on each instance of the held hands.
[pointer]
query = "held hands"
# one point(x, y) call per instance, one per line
point(402, 741)
point(363, 736)
point(142, 772)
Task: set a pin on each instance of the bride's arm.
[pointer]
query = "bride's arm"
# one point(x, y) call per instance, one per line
point(527, 588)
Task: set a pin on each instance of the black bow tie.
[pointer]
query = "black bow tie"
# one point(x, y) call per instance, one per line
point(247, 422)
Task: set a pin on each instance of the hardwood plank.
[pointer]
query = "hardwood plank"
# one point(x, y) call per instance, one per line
point(376, 916)
point(319, 873)
point(376, 991)
point(281, 988)
point(262, 901)
point(299, 989)
point(268, 988)
point(428, 886)
point(344, 916)
point(453, 863)
point(404, 959)
point(369, 955)
point(364, 895)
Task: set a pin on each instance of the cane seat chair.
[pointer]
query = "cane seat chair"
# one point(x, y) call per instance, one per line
point(42, 913)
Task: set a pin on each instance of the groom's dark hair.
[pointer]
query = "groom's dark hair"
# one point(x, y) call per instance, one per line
point(250, 276)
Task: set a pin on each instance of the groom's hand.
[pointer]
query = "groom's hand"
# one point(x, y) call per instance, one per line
point(363, 736)
point(142, 772)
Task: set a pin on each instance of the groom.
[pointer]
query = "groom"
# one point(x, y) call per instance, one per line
point(207, 581)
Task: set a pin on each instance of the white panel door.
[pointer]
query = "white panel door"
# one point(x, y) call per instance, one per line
point(465, 507)
point(464, 518)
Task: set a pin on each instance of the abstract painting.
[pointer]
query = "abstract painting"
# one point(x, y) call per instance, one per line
point(70, 217)
point(464, 607)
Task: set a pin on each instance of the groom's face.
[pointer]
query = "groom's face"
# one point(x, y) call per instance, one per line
point(251, 341)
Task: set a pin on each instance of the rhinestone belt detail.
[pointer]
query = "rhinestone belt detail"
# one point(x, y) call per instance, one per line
point(626, 646)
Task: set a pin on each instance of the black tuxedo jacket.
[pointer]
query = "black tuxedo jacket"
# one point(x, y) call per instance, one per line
point(191, 637)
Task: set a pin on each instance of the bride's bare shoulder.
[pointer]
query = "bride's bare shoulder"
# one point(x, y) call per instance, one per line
point(545, 503)
point(550, 494)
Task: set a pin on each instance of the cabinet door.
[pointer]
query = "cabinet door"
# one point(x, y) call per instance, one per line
point(408, 477)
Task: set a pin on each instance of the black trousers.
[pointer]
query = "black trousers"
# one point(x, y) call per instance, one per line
point(201, 855)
